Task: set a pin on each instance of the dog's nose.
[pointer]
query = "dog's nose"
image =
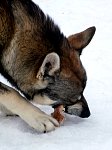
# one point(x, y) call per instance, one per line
point(85, 112)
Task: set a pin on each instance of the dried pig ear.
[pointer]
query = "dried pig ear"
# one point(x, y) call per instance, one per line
point(58, 114)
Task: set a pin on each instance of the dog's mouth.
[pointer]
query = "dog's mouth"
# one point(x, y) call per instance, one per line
point(77, 108)
point(74, 109)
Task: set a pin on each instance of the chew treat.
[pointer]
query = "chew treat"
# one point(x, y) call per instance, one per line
point(58, 114)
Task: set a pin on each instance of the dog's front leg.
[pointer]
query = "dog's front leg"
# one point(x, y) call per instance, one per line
point(17, 104)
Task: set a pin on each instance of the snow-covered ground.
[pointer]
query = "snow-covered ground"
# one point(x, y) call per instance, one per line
point(95, 132)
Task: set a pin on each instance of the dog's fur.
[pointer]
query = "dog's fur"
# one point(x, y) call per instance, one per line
point(41, 63)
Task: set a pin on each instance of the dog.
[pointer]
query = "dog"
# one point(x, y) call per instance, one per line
point(40, 62)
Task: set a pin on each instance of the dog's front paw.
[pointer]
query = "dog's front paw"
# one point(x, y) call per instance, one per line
point(40, 121)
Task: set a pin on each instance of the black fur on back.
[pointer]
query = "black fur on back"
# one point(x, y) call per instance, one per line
point(49, 30)
point(53, 34)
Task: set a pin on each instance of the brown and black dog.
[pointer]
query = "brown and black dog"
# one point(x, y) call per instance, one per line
point(44, 65)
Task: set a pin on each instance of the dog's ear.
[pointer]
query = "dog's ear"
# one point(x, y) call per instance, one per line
point(49, 67)
point(81, 40)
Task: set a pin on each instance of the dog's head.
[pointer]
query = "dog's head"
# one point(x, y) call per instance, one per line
point(63, 78)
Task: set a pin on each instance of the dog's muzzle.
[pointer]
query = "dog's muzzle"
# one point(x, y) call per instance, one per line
point(80, 108)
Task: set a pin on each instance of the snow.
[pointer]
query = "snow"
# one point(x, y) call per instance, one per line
point(95, 132)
